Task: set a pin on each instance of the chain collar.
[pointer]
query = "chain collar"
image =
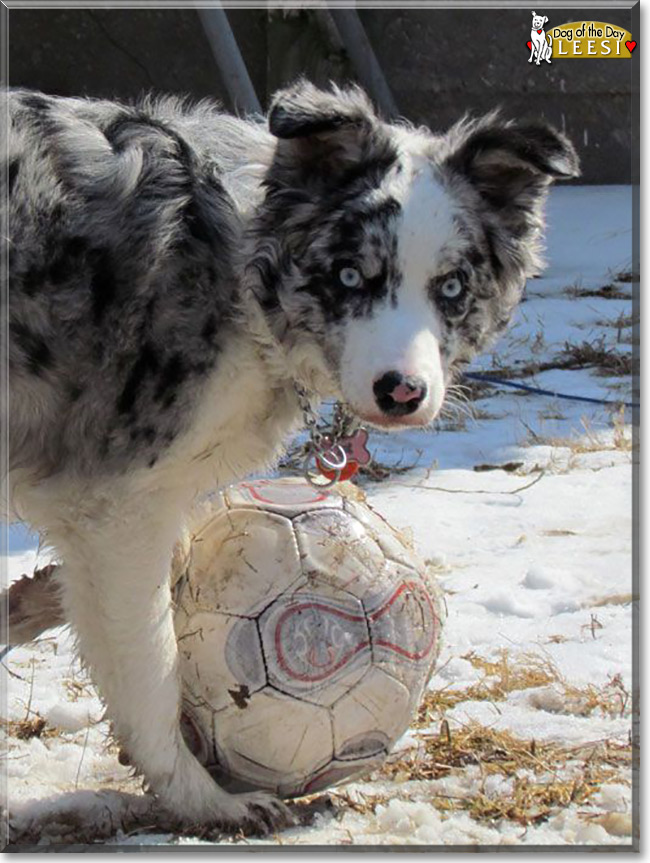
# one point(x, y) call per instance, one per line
point(335, 450)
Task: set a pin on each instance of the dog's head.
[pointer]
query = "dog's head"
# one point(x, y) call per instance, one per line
point(539, 21)
point(387, 256)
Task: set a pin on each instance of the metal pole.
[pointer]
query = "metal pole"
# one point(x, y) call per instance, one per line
point(366, 65)
point(229, 60)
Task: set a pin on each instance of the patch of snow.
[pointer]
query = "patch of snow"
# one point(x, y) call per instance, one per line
point(539, 578)
point(501, 603)
point(71, 716)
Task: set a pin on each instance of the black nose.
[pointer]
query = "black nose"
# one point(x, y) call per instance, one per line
point(398, 395)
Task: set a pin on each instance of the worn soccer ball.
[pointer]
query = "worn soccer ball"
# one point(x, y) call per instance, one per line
point(307, 630)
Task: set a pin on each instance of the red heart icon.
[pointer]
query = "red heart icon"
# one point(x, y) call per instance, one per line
point(630, 46)
point(539, 31)
point(530, 45)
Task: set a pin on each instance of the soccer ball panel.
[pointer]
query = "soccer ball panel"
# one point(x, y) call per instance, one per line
point(405, 627)
point(316, 643)
point(370, 717)
point(274, 739)
point(340, 771)
point(221, 659)
point(240, 560)
point(340, 549)
point(288, 497)
point(389, 540)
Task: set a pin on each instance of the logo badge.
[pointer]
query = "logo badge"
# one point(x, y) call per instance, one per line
point(577, 39)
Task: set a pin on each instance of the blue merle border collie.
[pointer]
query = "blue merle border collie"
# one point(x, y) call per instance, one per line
point(173, 273)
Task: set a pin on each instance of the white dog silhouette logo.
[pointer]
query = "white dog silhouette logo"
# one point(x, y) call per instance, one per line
point(540, 48)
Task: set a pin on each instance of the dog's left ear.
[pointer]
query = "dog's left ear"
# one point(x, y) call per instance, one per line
point(545, 19)
point(511, 165)
point(323, 131)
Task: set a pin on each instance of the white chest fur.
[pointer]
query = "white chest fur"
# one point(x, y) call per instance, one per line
point(240, 424)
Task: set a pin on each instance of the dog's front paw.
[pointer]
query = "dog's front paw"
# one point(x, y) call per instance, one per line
point(254, 814)
point(259, 813)
point(194, 800)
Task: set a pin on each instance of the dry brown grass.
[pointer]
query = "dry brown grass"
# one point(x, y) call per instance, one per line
point(623, 321)
point(607, 292)
point(544, 777)
point(76, 689)
point(595, 355)
point(606, 361)
point(26, 729)
point(587, 440)
point(500, 677)
point(626, 276)
point(525, 671)
point(612, 699)
point(613, 599)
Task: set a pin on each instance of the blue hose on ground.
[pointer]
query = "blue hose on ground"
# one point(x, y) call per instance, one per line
point(500, 382)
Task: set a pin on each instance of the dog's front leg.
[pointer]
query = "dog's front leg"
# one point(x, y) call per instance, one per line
point(532, 51)
point(115, 586)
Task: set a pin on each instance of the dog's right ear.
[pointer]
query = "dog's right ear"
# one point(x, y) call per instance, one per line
point(322, 132)
point(304, 110)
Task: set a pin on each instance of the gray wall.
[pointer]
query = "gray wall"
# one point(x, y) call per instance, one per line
point(439, 63)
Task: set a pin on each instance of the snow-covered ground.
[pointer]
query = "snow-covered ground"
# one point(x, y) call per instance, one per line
point(532, 699)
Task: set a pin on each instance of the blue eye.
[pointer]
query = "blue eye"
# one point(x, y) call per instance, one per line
point(350, 277)
point(451, 288)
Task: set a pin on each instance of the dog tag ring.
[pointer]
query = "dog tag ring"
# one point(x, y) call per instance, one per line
point(357, 453)
point(330, 462)
point(332, 456)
